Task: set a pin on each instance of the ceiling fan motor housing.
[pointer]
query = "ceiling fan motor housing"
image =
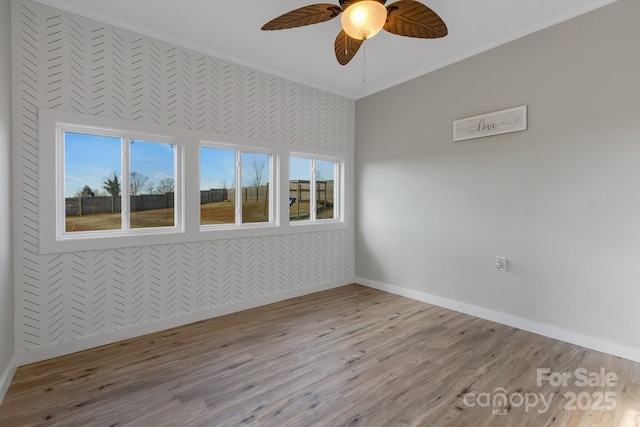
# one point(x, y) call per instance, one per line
point(364, 19)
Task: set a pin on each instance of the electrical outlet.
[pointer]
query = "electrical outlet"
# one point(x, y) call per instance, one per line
point(501, 263)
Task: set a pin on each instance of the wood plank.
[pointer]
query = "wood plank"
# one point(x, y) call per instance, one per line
point(347, 356)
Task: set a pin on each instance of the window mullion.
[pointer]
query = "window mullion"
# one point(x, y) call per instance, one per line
point(337, 194)
point(125, 201)
point(238, 188)
point(272, 187)
point(178, 186)
point(60, 184)
point(312, 191)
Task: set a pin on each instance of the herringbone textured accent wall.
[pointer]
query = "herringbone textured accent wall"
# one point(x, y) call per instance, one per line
point(62, 61)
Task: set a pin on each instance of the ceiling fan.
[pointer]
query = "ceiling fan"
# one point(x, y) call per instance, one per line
point(363, 19)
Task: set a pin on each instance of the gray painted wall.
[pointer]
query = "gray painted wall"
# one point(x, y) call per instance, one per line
point(6, 248)
point(561, 201)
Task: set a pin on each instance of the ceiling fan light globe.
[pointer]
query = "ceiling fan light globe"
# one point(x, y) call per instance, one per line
point(363, 19)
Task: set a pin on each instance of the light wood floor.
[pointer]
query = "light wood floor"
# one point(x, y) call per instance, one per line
point(345, 357)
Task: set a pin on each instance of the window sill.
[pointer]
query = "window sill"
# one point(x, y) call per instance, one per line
point(117, 241)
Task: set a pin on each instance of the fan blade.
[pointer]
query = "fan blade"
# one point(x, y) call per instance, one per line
point(346, 47)
point(307, 15)
point(413, 19)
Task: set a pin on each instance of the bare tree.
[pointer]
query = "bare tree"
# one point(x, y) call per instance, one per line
point(137, 182)
point(166, 186)
point(150, 188)
point(256, 171)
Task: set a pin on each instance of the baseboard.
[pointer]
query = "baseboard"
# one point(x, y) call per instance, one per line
point(50, 351)
point(6, 377)
point(546, 330)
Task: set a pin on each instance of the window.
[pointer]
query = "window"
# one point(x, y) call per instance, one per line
point(313, 188)
point(256, 170)
point(217, 184)
point(92, 182)
point(235, 186)
point(113, 183)
point(152, 179)
point(109, 183)
point(325, 174)
point(299, 188)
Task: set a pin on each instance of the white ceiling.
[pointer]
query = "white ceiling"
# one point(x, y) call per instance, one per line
point(230, 30)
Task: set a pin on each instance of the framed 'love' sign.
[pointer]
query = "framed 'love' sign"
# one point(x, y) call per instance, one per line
point(496, 123)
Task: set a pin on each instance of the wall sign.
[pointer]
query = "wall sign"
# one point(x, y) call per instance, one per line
point(496, 123)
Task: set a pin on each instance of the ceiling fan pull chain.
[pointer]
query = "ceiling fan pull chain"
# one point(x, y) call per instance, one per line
point(364, 60)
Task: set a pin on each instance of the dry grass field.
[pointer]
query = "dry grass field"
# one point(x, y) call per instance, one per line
point(300, 211)
point(210, 213)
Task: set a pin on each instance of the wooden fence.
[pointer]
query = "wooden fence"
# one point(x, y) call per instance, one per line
point(78, 206)
point(301, 191)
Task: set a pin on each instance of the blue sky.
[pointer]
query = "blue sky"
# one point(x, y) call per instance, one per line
point(217, 168)
point(300, 168)
point(89, 159)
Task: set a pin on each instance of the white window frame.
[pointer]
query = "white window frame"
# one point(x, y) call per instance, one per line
point(338, 189)
point(187, 227)
point(125, 193)
point(53, 236)
point(274, 172)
